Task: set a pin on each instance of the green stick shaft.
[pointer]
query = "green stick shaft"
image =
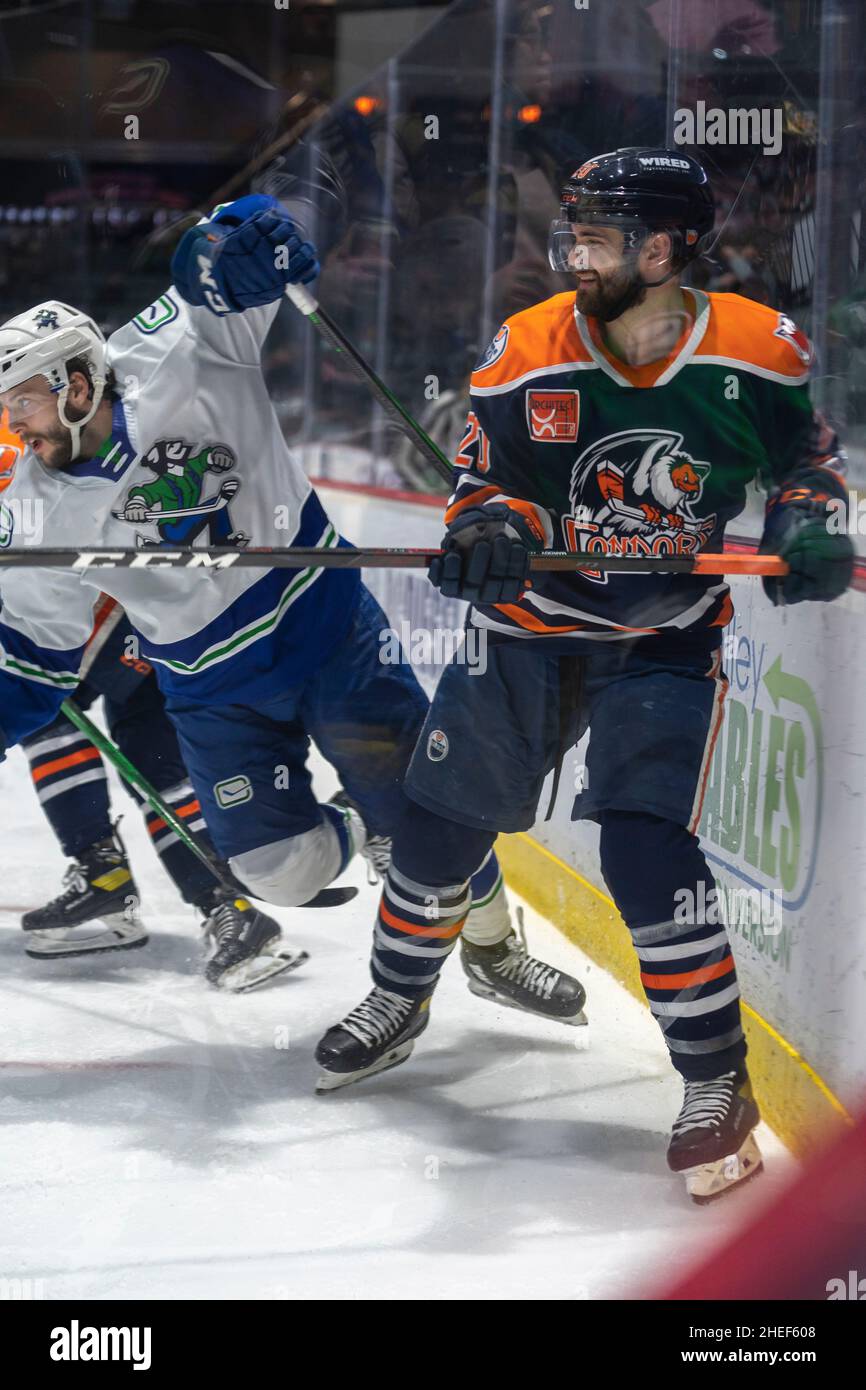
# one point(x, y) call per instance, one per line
point(131, 774)
point(305, 302)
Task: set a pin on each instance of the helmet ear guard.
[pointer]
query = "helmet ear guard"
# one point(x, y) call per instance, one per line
point(97, 381)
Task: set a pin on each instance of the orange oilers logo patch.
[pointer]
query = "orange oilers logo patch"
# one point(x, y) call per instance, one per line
point(787, 329)
point(552, 416)
point(585, 169)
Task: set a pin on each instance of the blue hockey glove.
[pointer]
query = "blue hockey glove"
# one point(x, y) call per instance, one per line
point(243, 257)
point(821, 562)
point(486, 555)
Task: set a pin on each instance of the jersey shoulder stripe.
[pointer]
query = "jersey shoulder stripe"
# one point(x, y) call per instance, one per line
point(538, 340)
point(752, 335)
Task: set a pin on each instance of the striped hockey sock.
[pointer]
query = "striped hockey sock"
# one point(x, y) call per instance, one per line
point(69, 778)
point(416, 930)
point(193, 880)
point(655, 869)
point(691, 986)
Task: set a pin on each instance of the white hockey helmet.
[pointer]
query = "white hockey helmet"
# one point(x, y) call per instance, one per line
point(42, 341)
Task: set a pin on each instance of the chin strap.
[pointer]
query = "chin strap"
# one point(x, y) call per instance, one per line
point(75, 426)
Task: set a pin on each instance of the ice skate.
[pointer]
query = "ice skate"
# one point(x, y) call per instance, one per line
point(507, 974)
point(377, 1035)
point(97, 910)
point(712, 1143)
point(247, 946)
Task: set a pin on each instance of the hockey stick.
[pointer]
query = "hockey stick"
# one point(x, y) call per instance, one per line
point(326, 897)
point(311, 309)
point(136, 779)
point(215, 504)
point(351, 557)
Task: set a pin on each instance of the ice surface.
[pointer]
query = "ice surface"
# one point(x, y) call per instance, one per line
point(160, 1140)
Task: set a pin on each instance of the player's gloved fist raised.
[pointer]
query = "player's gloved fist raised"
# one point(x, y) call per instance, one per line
point(821, 561)
point(243, 257)
point(486, 555)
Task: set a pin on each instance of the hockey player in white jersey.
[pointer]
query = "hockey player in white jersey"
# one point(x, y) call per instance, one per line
point(166, 435)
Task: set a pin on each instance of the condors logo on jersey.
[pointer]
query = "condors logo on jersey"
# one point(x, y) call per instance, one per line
point(635, 493)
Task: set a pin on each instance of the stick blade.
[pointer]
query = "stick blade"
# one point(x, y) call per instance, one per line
point(332, 897)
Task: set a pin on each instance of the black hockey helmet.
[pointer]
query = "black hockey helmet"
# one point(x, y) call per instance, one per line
point(641, 190)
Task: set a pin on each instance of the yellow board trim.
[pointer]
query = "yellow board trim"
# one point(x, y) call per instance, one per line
point(794, 1099)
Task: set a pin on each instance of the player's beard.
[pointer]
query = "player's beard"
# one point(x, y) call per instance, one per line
point(56, 450)
point(59, 455)
point(611, 294)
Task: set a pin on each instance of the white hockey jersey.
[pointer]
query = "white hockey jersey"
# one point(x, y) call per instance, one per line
point(195, 457)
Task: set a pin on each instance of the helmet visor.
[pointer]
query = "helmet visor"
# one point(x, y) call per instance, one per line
point(584, 245)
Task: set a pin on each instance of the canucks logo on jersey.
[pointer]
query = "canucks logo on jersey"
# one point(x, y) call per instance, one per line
point(175, 501)
point(635, 493)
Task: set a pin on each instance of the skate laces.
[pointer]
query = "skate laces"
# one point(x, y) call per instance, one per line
point(376, 849)
point(706, 1103)
point(376, 1016)
point(75, 881)
point(225, 923)
point(377, 852)
point(523, 969)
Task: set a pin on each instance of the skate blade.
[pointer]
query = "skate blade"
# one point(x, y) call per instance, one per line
point(706, 1182)
point(252, 974)
point(53, 943)
point(578, 1020)
point(333, 1080)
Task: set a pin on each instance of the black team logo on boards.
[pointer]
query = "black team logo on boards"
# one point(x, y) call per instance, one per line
point(77, 1343)
point(635, 493)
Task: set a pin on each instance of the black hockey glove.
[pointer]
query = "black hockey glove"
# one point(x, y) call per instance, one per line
point(486, 555)
point(821, 560)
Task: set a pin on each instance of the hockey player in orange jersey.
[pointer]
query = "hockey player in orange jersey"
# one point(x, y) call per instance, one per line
point(10, 452)
point(624, 416)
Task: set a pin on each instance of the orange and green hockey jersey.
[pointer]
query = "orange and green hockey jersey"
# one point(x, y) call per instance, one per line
point(651, 460)
point(11, 450)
